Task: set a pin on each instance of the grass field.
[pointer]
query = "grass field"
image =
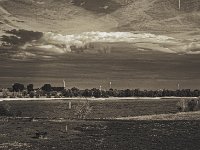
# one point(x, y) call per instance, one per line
point(106, 135)
point(99, 130)
point(100, 109)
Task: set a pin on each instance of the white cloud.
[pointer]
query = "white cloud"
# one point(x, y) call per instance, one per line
point(52, 43)
point(81, 40)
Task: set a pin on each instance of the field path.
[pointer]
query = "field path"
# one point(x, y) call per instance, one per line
point(95, 99)
point(179, 116)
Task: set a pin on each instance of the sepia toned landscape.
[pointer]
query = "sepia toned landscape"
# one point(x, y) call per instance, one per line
point(99, 74)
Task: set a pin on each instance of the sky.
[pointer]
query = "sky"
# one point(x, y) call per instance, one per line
point(97, 43)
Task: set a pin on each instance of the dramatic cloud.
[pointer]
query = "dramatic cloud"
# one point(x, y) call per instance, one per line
point(52, 44)
point(83, 39)
point(141, 41)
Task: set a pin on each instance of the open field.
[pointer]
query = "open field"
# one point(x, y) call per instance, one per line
point(95, 132)
point(145, 44)
point(100, 109)
point(106, 135)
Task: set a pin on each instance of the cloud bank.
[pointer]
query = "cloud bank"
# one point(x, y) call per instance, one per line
point(85, 38)
point(53, 44)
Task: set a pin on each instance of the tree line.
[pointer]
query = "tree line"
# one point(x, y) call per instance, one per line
point(19, 90)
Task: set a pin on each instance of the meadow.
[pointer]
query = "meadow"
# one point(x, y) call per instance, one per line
point(99, 129)
point(100, 109)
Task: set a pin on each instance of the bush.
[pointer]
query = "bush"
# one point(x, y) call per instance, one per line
point(191, 105)
point(188, 105)
point(32, 94)
point(56, 96)
point(5, 110)
point(82, 110)
point(4, 93)
point(18, 113)
point(48, 96)
point(37, 96)
point(40, 135)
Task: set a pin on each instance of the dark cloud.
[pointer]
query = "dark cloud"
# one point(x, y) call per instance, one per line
point(20, 37)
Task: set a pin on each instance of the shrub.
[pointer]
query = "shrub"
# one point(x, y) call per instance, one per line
point(37, 95)
point(18, 113)
point(48, 96)
point(40, 135)
point(188, 105)
point(191, 105)
point(32, 94)
point(4, 93)
point(56, 96)
point(5, 110)
point(181, 105)
point(82, 110)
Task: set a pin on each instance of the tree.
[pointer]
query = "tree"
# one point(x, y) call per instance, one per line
point(136, 92)
point(121, 93)
point(87, 93)
point(110, 92)
point(96, 93)
point(32, 94)
point(196, 93)
point(128, 93)
point(47, 88)
point(5, 93)
point(104, 94)
point(30, 87)
point(67, 93)
point(17, 87)
point(39, 93)
point(75, 91)
point(24, 93)
point(191, 105)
